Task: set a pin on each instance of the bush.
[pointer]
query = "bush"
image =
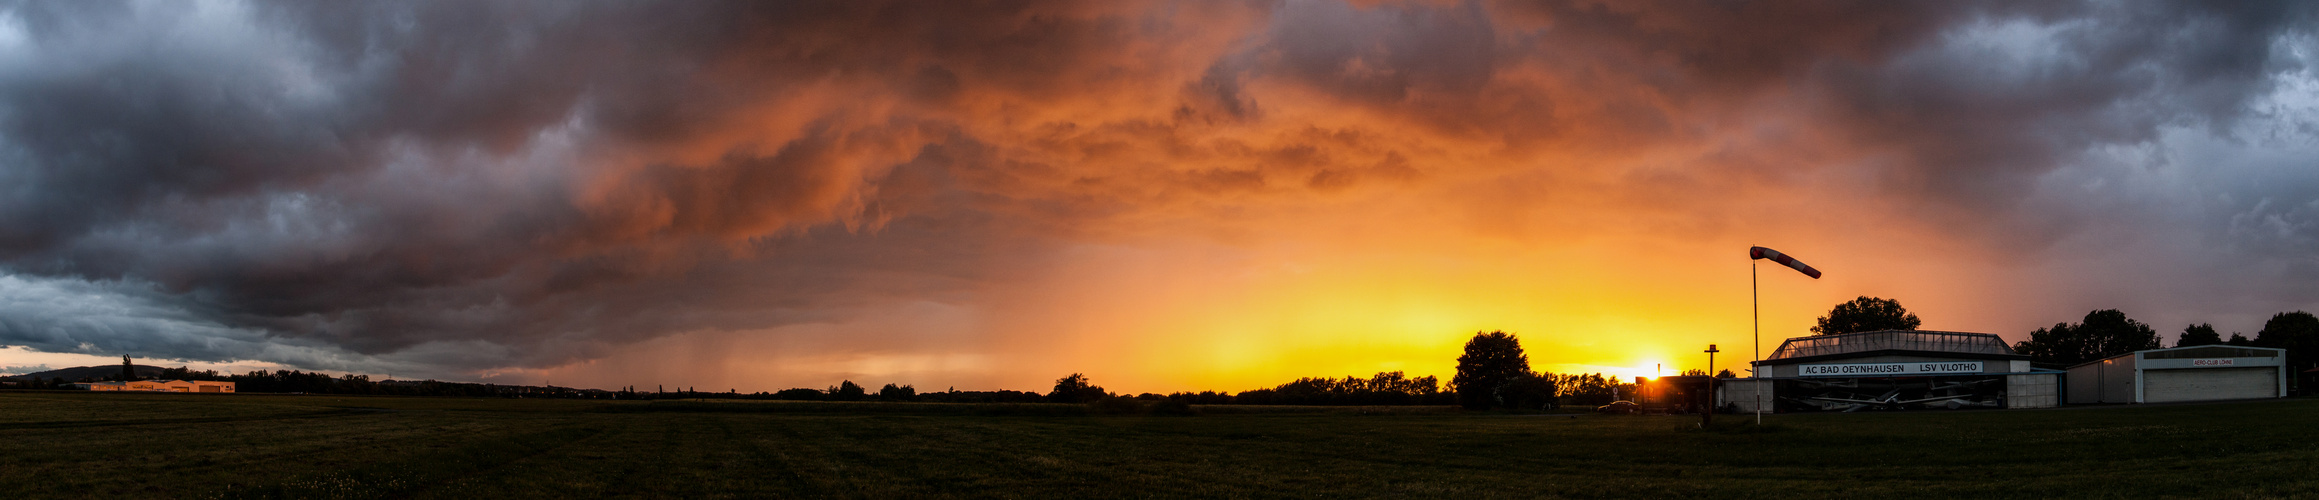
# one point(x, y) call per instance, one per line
point(1116, 406)
point(800, 394)
point(1171, 407)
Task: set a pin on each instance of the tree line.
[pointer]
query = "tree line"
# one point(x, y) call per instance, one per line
point(304, 382)
point(1493, 373)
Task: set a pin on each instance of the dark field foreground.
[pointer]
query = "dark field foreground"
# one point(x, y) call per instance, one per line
point(62, 444)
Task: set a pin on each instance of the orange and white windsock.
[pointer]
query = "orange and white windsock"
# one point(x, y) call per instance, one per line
point(1783, 259)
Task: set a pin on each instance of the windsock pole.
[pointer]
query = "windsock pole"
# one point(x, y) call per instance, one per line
point(1755, 302)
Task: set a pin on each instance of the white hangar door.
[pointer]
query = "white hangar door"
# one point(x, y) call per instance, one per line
point(2200, 384)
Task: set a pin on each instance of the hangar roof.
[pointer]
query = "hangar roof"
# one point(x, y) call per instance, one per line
point(1961, 344)
point(2212, 351)
point(2200, 351)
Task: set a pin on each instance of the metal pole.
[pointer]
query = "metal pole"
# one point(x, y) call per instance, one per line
point(1755, 312)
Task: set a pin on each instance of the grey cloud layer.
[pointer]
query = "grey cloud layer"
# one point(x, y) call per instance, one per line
point(542, 182)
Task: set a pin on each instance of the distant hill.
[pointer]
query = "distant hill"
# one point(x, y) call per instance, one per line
point(74, 374)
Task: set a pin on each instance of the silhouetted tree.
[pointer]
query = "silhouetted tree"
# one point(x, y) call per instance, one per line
point(956, 396)
point(1725, 373)
point(1586, 390)
point(1384, 388)
point(1694, 372)
point(1075, 389)
point(2239, 339)
point(1866, 314)
point(2104, 333)
point(897, 393)
point(1530, 391)
point(128, 371)
point(800, 394)
point(847, 391)
point(183, 373)
point(2297, 332)
point(1202, 398)
point(1492, 360)
point(2197, 335)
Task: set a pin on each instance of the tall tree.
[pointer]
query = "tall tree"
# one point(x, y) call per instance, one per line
point(1492, 361)
point(1866, 314)
point(2198, 334)
point(2297, 332)
point(128, 371)
point(2102, 334)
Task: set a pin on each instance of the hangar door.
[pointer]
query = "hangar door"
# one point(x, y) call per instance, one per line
point(2200, 384)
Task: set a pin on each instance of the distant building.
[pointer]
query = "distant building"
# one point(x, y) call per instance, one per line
point(160, 386)
point(1893, 370)
point(2196, 373)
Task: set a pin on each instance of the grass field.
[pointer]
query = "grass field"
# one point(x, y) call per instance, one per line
point(64, 444)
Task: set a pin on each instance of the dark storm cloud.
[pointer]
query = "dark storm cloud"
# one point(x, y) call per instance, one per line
point(380, 175)
point(2005, 99)
point(556, 179)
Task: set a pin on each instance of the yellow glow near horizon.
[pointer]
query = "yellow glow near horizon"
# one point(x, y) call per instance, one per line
point(1359, 313)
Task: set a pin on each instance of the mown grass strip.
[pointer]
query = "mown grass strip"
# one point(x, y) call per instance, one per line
point(431, 471)
point(341, 412)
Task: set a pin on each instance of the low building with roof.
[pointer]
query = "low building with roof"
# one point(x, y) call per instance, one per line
point(2196, 373)
point(1893, 370)
point(209, 386)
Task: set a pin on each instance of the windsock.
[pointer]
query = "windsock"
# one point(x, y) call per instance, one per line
point(1783, 259)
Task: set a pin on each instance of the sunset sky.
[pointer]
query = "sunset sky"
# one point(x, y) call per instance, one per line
point(1166, 196)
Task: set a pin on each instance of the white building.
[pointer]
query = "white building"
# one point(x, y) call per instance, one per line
point(2196, 373)
point(1893, 370)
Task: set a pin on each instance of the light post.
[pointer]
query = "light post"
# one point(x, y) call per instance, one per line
point(1711, 359)
point(1707, 415)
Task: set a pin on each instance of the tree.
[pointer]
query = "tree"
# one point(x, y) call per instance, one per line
point(2198, 334)
point(128, 371)
point(897, 393)
point(1586, 390)
point(1531, 391)
point(847, 391)
point(1725, 373)
point(2239, 339)
point(2297, 332)
point(1075, 389)
point(2104, 333)
point(1492, 360)
point(1866, 314)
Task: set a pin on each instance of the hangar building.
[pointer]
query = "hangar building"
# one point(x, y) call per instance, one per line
point(2197, 373)
point(159, 386)
point(1894, 370)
